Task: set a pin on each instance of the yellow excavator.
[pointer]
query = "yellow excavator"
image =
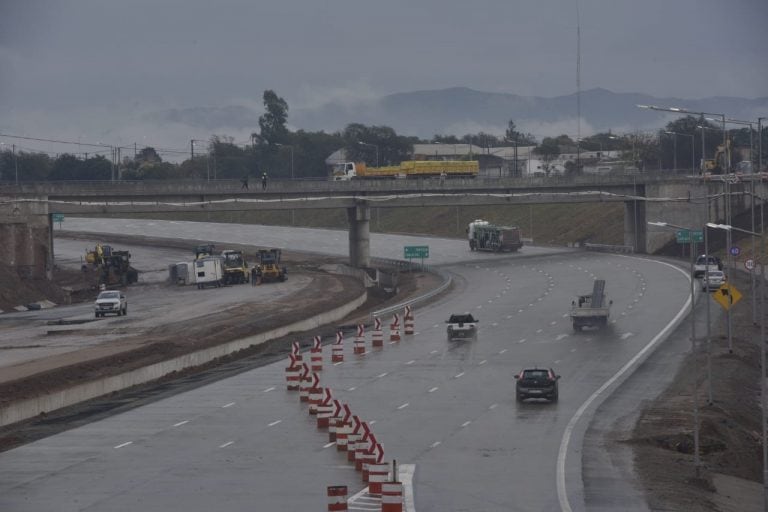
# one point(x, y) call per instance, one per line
point(721, 163)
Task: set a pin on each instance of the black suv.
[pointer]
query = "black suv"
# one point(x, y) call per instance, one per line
point(537, 383)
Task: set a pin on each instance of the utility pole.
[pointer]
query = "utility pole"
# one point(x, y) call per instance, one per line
point(15, 163)
point(192, 149)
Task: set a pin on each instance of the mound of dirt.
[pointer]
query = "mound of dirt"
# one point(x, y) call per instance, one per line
point(65, 287)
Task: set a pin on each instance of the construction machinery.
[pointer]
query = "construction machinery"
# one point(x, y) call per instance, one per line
point(236, 269)
point(409, 169)
point(721, 163)
point(484, 236)
point(204, 251)
point(269, 268)
point(114, 267)
point(591, 310)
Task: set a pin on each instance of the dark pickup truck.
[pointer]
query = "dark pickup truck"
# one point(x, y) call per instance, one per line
point(537, 383)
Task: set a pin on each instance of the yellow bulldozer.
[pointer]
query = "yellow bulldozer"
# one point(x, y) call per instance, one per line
point(269, 268)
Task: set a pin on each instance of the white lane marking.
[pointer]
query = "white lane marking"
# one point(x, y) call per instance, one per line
point(352, 388)
point(560, 336)
point(269, 389)
point(411, 361)
point(337, 363)
point(493, 406)
point(479, 307)
point(226, 444)
point(522, 340)
point(502, 351)
point(406, 404)
point(509, 316)
point(124, 444)
point(520, 310)
point(565, 315)
point(573, 350)
point(494, 324)
point(181, 423)
point(458, 375)
point(482, 362)
point(432, 390)
point(490, 301)
point(465, 424)
point(230, 404)
point(538, 331)
point(382, 375)
point(531, 304)
point(553, 322)
point(626, 335)
point(539, 299)
point(562, 494)
point(274, 423)
point(435, 444)
point(372, 422)
point(435, 326)
point(558, 361)
point(434, 352)
point(329, 444)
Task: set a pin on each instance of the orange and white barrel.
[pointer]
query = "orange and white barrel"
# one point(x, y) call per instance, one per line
point(377, 337)
point(391, 497)
point(359, 346)
point(337, 349)
point(295, 351)
point(337, 498)
point(306, 384)
point(394, 329)
point(325, 410)
point(343, 430)
point(378, 474)
point(408, 328)
point(316, 355)
point(315, 399)
point(293, 374)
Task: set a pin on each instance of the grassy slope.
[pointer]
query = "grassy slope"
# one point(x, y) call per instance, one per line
point(556, 224)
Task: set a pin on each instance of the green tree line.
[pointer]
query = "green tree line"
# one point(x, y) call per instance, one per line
point(281, 153)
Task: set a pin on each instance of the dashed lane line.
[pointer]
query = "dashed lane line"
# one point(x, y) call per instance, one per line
point(400, 407)
point(460, 374)
point(230, 404)
point(226, 444)
point(181, 423)
point(269, 389)
point(432, 390)
point(122, 445)
point(274, 423)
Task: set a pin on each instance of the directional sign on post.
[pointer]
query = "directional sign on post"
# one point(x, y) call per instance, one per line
point(727, 296)
point(416, 251)
point(749, 264)
point(684, 236)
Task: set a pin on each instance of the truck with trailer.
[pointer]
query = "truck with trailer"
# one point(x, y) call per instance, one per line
point(484, 236)
point(591, 310)
point(408, 169)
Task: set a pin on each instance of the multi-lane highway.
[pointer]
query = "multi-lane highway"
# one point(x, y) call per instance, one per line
point(245, 443)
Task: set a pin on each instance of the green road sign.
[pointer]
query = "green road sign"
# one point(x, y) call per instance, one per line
point(684, 236)
point(58, 217)
point(416, 251)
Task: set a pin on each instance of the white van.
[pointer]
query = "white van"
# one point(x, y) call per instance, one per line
point(209, 272)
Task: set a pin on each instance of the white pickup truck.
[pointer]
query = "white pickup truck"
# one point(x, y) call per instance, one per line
point(111, 301)
point(461, 326)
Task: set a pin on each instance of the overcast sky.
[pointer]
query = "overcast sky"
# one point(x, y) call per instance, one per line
point(106, 58)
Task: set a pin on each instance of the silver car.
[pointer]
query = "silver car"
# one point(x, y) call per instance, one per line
point(712, 280)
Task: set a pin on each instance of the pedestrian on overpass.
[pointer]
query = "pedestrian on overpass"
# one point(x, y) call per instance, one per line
point(244, 181)
point(264, 181)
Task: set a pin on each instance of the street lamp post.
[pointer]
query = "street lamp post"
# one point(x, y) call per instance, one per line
point(693, 156)
point(289, 146)
point(696, 456)
point(763, 405)
point(375, 146)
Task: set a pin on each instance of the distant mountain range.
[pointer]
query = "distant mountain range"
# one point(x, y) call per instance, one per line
point(459, 110)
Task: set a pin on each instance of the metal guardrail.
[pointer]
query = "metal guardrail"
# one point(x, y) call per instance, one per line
point(608, 248)
point(447, 280)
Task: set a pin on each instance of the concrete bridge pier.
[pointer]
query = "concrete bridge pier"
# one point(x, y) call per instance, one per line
point(26, 233)
point(635, 225)
point(359, 236)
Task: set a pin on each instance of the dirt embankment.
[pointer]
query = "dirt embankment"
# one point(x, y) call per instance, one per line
point(729, 431)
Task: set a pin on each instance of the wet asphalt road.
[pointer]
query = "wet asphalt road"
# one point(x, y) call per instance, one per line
point(245, 443)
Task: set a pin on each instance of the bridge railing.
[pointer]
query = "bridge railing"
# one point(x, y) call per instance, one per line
point(402, 264)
